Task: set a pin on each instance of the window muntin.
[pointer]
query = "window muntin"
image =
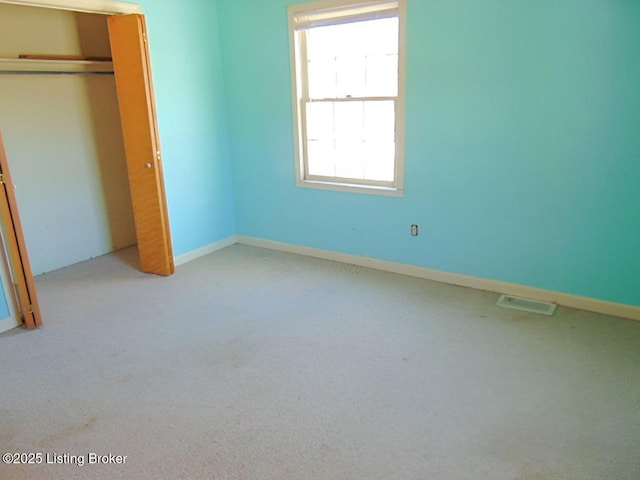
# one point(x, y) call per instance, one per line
point(348, 102)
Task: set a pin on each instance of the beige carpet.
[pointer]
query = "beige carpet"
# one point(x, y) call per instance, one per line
point(254, 364)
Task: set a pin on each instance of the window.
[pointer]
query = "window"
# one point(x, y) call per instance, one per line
point(348, 64)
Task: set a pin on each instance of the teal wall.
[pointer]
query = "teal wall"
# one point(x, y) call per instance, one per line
point(187, 74)
point(523, 144)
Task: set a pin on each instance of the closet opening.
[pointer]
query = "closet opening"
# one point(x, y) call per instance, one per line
point(82, 143)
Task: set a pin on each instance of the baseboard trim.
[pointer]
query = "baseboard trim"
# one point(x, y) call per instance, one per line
point(206, 250)
point(503, 288)
point(8, 324)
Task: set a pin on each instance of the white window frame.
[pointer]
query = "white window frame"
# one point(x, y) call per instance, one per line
point(299, 83)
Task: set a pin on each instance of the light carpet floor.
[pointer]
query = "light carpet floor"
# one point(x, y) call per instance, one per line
point(255, 364)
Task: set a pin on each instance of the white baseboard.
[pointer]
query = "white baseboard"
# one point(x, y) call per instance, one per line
point(564, 299)
point(8, 324)
point(206, 250)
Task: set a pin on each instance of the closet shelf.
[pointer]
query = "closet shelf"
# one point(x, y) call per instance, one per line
point(25, 66)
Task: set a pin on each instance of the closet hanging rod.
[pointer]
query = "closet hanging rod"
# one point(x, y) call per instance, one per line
point(51, 72)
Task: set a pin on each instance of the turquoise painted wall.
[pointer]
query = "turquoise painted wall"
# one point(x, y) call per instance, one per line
point(523, 144)
point(187, 73)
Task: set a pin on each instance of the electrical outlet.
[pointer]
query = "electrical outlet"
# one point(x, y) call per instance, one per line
point(414, 230)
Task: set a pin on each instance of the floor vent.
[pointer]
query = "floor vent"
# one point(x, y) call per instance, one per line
point(526, 305)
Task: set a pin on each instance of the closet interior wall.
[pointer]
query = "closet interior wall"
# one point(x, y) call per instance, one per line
point(64, 140)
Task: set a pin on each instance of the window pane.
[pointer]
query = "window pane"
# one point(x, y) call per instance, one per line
point(351, 77)
point(320, 125)
point(381, 36)
point(321, 158)
point(382, 76)
point(350, 159)
point(379, 121)
point(380, 160)
point(323, 42)
point(349, 120)
point(322, 78)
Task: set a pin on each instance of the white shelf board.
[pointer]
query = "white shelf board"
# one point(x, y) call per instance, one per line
point(29, 65)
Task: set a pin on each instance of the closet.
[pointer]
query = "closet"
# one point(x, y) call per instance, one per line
point(81, 142)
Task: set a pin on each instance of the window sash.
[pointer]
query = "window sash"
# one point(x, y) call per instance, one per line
point(346, 180)
point(350, 99)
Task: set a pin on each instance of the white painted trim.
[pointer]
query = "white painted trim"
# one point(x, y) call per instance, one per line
point(206, 250)
point(8, 323)
point(107, 7)
point(402, 99)
point(352, 188)
point(572, 301)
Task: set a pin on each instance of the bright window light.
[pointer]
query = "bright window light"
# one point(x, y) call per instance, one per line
point(349, 107)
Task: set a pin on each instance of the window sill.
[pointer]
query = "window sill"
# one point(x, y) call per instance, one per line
point(352, 188)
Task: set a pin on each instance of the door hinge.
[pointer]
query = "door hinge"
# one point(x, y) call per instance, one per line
point(144, 37)
point(2, 182)
point(30, 308)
